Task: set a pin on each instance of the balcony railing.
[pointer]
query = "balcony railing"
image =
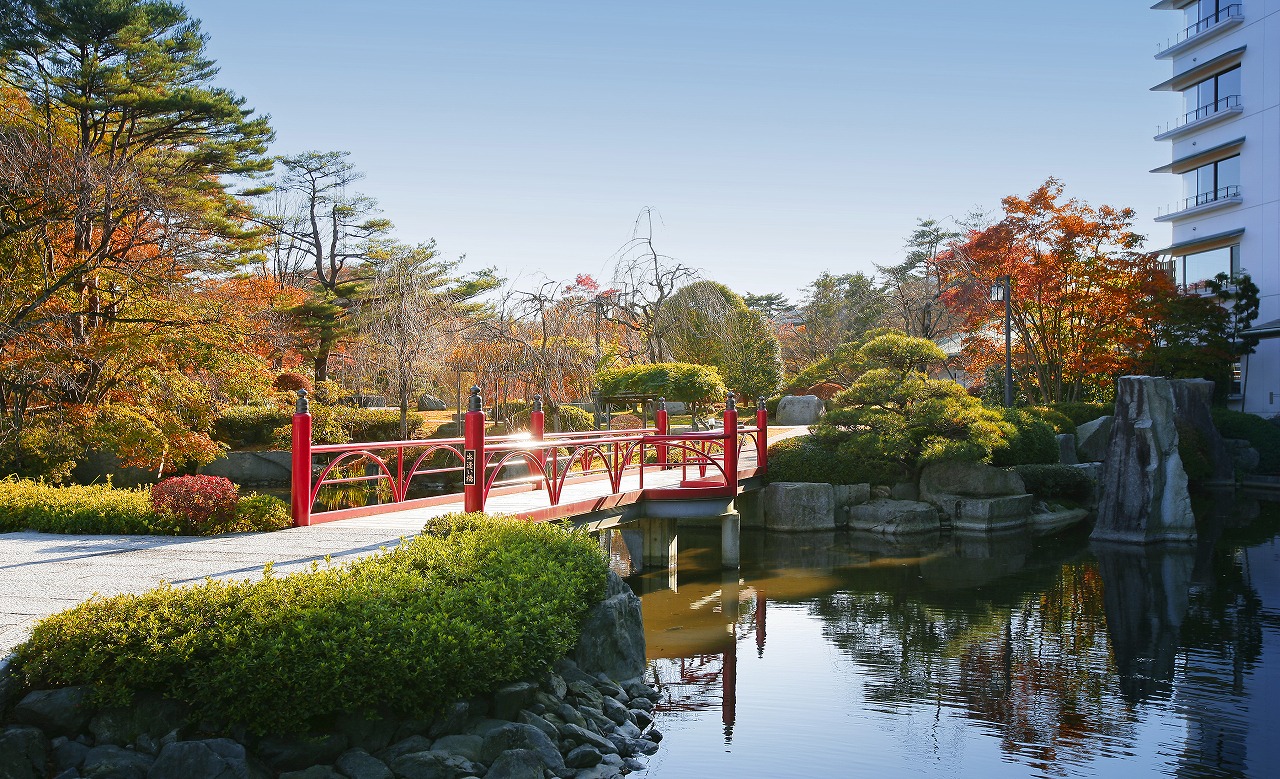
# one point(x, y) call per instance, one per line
point(1203, 112)
point(1202, 199)
point(1233, 11)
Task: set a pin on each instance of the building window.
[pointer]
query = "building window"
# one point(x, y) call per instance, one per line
point(1211, 182)
point(1192, 271)
point(1212, 95)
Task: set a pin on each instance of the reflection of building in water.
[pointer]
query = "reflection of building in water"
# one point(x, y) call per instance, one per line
point(1229, 682)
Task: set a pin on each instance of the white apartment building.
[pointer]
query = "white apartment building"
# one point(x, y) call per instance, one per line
point(1226, 150)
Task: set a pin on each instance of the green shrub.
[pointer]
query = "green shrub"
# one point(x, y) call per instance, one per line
point(684, 382)
point(345, 424)
point(1194, 452)
point(1032, 441)
point(1060, 422)
point(1080, 413)
point(1056, 482)
point(1260, 434)
point(558, 419)
point(805, 459)
point(470, 604)
point(249, 425)
point(98, 508)
point(101, 509)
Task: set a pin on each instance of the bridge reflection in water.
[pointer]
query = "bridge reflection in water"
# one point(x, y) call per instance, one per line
point(1007, 655)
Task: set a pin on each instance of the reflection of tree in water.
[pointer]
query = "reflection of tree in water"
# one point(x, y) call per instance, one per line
point(1035, 665)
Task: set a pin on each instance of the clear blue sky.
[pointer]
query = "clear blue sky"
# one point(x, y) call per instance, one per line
point(776, 139)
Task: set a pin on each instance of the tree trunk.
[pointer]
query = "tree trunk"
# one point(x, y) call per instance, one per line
point(322, 364)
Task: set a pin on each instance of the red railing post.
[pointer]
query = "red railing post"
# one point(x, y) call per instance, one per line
point(762, 435)
point(300, 492)
point(537, 430)
point(660, 422)
point(731, 441)
point(473, 466)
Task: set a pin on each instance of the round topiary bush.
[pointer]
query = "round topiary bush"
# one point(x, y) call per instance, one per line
point(626, 422)
point(199, 503)
point(1033, 441)
point(291, 382)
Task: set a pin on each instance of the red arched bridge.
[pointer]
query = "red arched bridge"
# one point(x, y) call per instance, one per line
point(534, 475)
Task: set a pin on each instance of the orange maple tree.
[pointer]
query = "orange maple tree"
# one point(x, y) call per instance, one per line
point(1079, 284)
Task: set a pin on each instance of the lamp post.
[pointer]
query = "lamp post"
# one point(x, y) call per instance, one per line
point(1003, 290)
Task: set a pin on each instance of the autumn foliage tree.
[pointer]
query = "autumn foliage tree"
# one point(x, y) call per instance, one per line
point(1079, 286)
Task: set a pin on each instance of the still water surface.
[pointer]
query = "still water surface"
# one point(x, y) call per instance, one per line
point(839, 654)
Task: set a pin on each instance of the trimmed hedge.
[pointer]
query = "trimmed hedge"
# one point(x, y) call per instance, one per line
point(249, 425)
point(678, 381)
point(1056, 482)
point(1033, 441)
point(1080, 413)
point(1060, 422)
point(557, 419)
point(470, 604)
point(803, 459)
point(106, 510)
point(1260, 433)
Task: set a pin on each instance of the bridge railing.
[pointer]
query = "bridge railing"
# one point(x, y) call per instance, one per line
point(553, 460)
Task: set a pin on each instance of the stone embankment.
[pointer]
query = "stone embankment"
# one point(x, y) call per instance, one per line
point(576, 720)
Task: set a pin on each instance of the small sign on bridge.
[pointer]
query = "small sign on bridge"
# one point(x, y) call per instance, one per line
point(469, 467)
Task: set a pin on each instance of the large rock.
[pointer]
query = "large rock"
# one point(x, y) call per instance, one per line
point(1191, 401)
point(149, 715)
point(971, 479)
point(799, 506)
point(894, 517)
point(612, 639)
point(23, 753)
point(1144, 488)
point(359, 764)
point(252, 467)
point(1092, 472)
point(519, 736)
point(846, 497)
point(217, 758)
point(999, 513)
point(1245, 458)
point(60, 712)
point(431, 403)
point(1092, 439)
point(800, 410)
point(1067, 449)
point(1045, 523)
point(516, 764)
point(112, 762)
point(294, 753)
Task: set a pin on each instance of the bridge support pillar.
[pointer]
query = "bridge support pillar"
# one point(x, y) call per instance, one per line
point(731, 540)
point(660, 542)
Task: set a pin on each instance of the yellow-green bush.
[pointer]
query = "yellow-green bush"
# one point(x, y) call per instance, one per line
point(106, 510)
point(470, 604)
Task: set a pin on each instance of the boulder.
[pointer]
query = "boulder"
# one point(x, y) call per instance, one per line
point(676, 408)
point(434, 765)
point(314, 772)
point(112, 762)
point(893, 517)
point(1067, 449)
point(294, 753)
point(1055, 520)
point(149, 715)
point(800, 410)
point(511, 698)
point(431, 403)
point(612, 638)
point(516, 764)
point(23, 753)
point(518, 736)
point(970, 479)
point(1092, 439)
point(846, 496)
point(1191, 400)
point(252, 467)
point(467, 746)
point(60, 712)
point(359, 764)
point(999, 513)
point(1092, 472)
point(583, 756)
point(799, 506)
point(1244, 457)
point(1144, 487)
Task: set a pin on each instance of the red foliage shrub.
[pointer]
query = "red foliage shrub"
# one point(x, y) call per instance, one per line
point(201, 502)
point(626, 422)
point(291, 382)
point(826, 390)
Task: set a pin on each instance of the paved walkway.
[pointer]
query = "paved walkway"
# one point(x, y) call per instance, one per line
point(41, 573)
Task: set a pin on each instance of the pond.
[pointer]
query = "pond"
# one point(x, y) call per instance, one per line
point(843, 654)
